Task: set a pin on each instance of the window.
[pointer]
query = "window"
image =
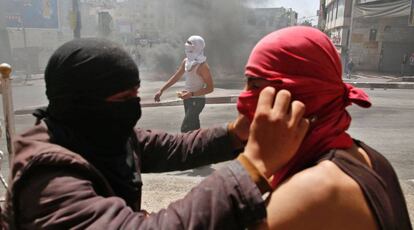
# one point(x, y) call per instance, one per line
point(329, 13)
point(341, 8)
point(336, 9)
point(373, 34)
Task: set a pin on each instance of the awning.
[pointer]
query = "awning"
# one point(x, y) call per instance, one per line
point(389, 9)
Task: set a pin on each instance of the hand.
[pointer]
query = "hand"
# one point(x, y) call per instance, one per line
point(276, 132)
point(157, 97)
point(240, 127)
point(185, 94)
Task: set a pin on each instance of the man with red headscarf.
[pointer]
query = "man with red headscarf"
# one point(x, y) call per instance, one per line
point(334, 181)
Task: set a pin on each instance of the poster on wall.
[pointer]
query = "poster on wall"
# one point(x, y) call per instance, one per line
point(41, 14)
point(411, 16)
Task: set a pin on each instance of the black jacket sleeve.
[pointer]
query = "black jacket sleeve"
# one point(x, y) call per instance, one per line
point(160, 151)
point(62, 199)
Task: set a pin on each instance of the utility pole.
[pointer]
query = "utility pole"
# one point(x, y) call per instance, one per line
point(78, 25)
point(351, 26)
point(26, 60)
point(5, 50)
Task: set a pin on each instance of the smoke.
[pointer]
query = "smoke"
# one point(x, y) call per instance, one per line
point(220, 23)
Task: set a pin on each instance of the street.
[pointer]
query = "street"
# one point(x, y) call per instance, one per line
point(388, 127)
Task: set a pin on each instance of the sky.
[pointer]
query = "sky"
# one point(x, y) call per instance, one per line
point(304, 8)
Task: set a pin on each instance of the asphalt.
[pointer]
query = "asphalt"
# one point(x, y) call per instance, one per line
point(226, 90)
point(161, 189)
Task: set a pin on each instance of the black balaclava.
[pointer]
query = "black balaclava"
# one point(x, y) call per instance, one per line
point(80, 75)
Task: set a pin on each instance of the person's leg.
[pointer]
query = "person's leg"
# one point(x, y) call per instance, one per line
point(198, 107)
point(192, 120)
point(184, 124)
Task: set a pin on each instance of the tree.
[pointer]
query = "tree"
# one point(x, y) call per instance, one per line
point(306, 22)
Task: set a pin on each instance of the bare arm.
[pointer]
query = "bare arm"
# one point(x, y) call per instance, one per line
point(321, 197)
point(204, 72)
point(173, 79)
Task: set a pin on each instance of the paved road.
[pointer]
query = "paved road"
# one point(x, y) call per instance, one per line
point(388, 126)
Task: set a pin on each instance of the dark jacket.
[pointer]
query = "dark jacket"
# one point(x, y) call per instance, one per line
point(54, 188)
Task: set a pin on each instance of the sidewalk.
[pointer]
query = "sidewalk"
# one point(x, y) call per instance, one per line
point(372, 80)
point(225, 91)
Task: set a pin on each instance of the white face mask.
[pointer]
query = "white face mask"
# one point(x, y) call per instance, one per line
point(194, 51)
point(189, 48)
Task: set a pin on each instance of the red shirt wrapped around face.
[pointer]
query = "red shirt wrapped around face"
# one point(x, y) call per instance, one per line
point(304, 61)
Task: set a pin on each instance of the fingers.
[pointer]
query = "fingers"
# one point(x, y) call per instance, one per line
point(282, 102)
point(266, 99)
point(297, 111)
point(303, 128)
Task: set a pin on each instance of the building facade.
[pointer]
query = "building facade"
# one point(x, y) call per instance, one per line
point(376, 34)
point(382, 38)
point(336, 22)
point(37, 27)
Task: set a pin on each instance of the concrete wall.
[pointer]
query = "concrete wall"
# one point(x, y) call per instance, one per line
point(366, 53)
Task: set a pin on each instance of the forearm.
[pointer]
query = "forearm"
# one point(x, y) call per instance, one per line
point(202, 91)
point(169, 83)
point(228, 199)
point(162, 152)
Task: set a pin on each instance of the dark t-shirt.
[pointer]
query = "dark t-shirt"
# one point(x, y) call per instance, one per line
point(380, 186)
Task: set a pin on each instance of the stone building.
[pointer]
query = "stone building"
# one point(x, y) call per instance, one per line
point(335, 20)
point(37, 27)
point(376, 34)
point(382, 38)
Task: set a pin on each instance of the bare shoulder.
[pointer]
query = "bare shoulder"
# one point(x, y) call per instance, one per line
point(204, 67)
point(180, 68)
point(204, 71)
point(320, 197)
point(326, 184)
point(323, 175)
point(183, 62)
point(318, 184)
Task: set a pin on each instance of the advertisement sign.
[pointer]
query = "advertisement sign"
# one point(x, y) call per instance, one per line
point(42, 14)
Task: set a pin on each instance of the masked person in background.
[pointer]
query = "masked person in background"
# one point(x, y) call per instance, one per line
point(334, 181)
point(80, 166)
point(198, 82)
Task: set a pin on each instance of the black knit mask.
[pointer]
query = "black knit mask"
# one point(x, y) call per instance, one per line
point(80, 75)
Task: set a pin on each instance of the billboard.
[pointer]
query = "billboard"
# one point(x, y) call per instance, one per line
point(42, 14)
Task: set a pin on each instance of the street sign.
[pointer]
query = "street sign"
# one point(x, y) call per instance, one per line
point(32, 14)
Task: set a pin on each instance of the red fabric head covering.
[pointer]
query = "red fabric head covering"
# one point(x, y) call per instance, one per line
point(304, 61)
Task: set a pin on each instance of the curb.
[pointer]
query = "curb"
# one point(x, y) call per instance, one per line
point(383, 85)
point(231, 99)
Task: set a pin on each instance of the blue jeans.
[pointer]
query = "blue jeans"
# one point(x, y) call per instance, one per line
point(192, 108)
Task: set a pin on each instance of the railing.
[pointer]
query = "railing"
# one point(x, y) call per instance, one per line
point(9, 129)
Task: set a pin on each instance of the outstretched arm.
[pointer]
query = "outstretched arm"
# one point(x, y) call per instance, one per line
point(173, 79)
point(63, 199)
point(161, 151)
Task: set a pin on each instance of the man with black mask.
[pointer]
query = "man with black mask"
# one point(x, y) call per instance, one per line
point(80, 165)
